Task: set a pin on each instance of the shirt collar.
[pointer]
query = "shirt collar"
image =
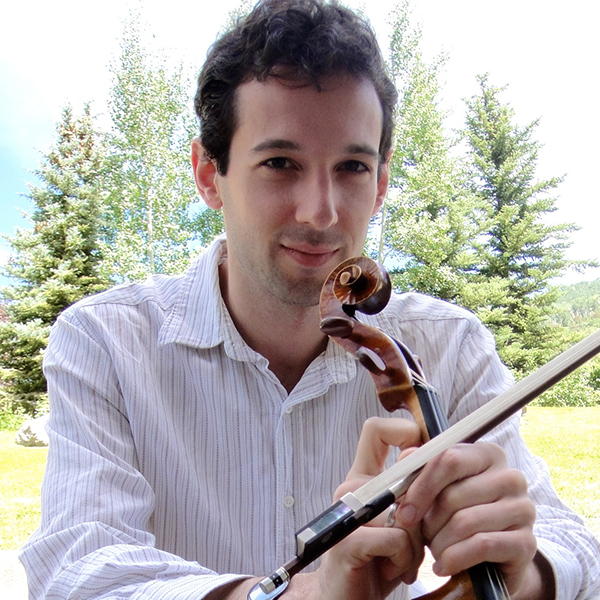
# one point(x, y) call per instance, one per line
point(199, 317)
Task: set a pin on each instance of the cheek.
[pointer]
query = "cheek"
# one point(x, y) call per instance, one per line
point(271, 203)
point(355, 224)
point(363, 207)
point(260, 196)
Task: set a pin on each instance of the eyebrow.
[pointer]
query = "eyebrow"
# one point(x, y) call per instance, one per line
point(362, 149)
point(276, 144)
point(282, 144)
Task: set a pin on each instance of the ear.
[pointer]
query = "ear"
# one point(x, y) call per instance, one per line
point(383, 181)
point(205, 175)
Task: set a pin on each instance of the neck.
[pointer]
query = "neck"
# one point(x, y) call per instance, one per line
point(287, 336)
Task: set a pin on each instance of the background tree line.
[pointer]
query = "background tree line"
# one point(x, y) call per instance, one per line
point(464, 219)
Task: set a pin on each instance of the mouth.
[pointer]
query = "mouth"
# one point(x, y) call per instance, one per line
point(310, 256)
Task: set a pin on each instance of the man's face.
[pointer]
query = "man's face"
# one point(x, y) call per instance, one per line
point(301, 185)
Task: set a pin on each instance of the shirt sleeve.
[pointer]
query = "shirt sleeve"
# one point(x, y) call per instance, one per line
point(571, 549)
point(95, 539)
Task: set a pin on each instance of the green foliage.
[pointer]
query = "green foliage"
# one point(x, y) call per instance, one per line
point(12, 409)
point(149, 224)
point(467, 223)
point(471, 229)
point(594, 378)
point(578, 307)
point(22, 346)
point(57, 262)
point(581, 388)
point(577, 310)
point(11, 416)
point(110, 208)
point(581, 291)
point(243, 8)
point(517, 248)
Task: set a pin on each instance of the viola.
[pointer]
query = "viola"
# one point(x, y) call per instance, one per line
point(361, 285)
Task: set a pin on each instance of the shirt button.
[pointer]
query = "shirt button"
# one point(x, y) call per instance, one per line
point(288, 501)
point(288, 410)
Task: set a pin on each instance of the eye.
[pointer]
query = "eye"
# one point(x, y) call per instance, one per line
point(354, 166)
point(278, 163)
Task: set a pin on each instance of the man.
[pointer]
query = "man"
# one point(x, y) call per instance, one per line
point(198, 421)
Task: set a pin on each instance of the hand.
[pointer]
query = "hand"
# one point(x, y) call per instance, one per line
point(465, 503)
point(373, 560)
point(472, 509)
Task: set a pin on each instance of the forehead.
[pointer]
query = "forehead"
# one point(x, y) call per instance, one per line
point(345, 109)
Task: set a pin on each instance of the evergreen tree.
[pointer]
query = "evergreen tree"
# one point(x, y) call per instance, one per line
point(428, 220)
point(519, 252)
point(57, 262)
point(149, 222)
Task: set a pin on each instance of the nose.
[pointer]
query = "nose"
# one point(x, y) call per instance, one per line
point(317, 203)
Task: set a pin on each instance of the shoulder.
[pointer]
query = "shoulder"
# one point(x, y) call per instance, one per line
point(415, 309)
point(124, 313)
point(457, 352)
point(159, 292)
point(126, 306)
point(434, 329)
point(157, 310)
point(158, 289)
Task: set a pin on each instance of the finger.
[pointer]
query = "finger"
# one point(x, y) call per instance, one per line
point(513, 551)
point(508, 514)
point(378, 435)
point(388, 518)
point(456, 464)
point(369, 543)
point(359, 566)
point(485, 489)
point(417, 543)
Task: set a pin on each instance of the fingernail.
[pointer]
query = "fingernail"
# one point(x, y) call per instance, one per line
point(407, 514)
point(438, 569)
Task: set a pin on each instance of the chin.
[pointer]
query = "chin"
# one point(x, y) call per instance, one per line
point(305, 292)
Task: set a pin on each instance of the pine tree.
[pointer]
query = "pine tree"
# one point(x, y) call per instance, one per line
point(427, 222)
point(519, 252)
point(150, 226)
point(57, 262)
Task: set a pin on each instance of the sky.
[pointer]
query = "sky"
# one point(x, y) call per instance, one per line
point(546, 52)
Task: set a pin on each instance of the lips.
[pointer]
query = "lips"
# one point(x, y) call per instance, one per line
point(310, 256)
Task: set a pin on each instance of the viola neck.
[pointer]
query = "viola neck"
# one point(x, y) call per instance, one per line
point(486, 581)
point(435, 417)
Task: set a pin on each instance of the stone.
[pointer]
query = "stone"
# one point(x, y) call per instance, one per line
point(33, 433)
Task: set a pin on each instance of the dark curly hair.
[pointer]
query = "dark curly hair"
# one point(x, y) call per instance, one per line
point(301, 40)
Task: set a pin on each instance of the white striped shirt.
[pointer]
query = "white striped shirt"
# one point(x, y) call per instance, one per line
point(178, 461)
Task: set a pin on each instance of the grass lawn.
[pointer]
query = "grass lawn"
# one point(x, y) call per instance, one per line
point(568, 439)
point(21, 471)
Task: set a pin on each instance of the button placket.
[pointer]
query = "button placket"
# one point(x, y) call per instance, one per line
point(287, 500)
